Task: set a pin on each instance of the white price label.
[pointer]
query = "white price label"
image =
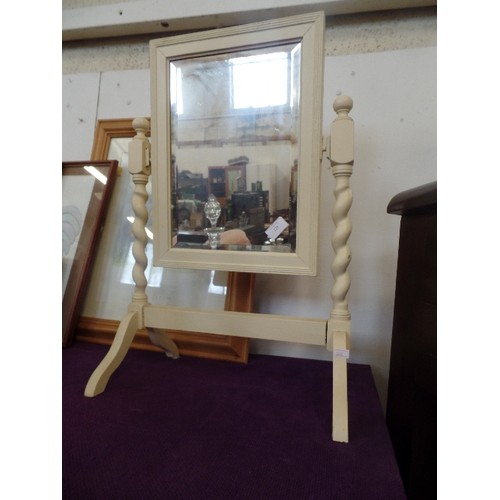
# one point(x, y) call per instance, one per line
point(276, 228)
point(341, 353)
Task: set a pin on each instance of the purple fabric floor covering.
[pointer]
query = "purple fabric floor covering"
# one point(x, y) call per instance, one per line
point(204, 429)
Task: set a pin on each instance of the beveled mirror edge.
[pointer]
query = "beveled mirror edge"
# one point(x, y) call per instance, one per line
point(309, 28)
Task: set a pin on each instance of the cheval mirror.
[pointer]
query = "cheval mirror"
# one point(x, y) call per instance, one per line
point(235, 154)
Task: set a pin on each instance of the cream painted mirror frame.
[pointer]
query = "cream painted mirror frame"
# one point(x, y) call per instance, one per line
point(307, 29)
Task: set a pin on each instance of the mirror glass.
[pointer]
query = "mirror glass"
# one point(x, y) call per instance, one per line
point(235, 124)
point(236, 146)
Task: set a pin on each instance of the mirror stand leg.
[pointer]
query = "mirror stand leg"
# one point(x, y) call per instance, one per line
point(340, 432)
point(119, 348)
point(160, 338)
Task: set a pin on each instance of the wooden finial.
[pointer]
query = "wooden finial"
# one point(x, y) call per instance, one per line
point(342, 105)
point(140, 125)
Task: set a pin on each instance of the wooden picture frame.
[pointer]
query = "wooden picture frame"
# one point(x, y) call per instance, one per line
point(86, 191)
point(239, 296)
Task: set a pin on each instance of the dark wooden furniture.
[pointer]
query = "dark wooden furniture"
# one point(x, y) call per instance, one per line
point(411, 400)
point(217, 182)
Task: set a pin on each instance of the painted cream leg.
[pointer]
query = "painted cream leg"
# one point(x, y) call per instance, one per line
point(119, 348)
point(139, 167)
point(161, 339)
point(340, 427)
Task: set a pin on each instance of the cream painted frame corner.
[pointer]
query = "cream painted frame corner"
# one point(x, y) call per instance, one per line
point(309, 29)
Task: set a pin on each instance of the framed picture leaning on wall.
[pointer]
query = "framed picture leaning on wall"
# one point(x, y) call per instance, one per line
point(86, 191)
point(111, 286)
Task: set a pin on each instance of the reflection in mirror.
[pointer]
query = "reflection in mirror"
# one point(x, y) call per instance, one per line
point(234, 137)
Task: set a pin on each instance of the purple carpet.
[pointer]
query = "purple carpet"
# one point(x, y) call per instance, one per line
point(203, 429)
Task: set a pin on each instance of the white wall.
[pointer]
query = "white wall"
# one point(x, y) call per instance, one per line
point(394, 94)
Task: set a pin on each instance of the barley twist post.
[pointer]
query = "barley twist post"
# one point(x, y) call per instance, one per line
point(341, 159)
point(139, 167)
point(339, 324)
